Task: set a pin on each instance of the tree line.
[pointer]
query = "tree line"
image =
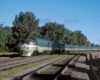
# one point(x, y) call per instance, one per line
point(26, 25)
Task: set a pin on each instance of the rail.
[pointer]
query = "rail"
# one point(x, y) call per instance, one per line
point(35, 71)
point(94, 72)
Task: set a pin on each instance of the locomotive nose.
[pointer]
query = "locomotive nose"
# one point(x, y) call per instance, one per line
point(24, 45)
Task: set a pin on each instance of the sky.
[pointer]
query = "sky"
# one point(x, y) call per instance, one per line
point(83, 15)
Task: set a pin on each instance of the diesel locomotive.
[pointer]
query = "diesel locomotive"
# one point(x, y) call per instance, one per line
point(34, 46)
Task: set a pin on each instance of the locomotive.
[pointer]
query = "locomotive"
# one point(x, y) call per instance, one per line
point(35, 46)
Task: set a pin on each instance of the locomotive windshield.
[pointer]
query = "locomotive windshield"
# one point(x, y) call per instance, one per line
point(29, 41)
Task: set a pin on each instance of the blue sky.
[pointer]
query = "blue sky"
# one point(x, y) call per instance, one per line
point(83, 15)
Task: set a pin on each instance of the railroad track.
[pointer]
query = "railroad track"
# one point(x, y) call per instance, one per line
point(50, 71)
point(67, 70)
point(97, 63)
point(72, 68)
point(18, 60)
point(95, 68)
point(15, 59)
point(12, 64)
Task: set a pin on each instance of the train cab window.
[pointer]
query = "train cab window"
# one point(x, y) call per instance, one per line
point(20, 43)
point(30, 41)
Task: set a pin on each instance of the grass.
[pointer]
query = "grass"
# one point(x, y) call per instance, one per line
point(8, 53)
point(13, 71)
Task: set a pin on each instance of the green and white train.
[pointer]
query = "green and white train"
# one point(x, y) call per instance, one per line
point(35, 46)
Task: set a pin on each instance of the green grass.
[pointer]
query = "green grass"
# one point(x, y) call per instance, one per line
point(10, 73)
point(8, 53)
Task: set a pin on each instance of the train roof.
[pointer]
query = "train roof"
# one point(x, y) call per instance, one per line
point(38, 39)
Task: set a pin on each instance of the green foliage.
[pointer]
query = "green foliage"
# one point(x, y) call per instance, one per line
point(77, 38)
point(25, 25)
point(5, 38)
point(67, 32)
point(53, 31)
point(92, 44)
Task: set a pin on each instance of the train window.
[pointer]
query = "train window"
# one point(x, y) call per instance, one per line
point(20, 43)
point(30, 41)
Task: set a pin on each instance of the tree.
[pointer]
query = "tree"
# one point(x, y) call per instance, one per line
point(25, 25)
point(67, 32)
point(96, 45)
point(53, 31)
point(5, 38)
point(72, 39)
point(92, 44)
point(77, 38)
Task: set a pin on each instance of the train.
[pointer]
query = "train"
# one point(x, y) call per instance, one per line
point(81, 48)
point(36, 46)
